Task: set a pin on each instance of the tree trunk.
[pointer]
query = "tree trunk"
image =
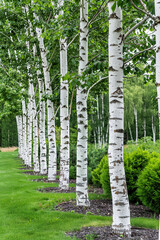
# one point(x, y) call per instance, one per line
point(35, 135)
point(153, 131)
point(24, 156)
point(30, 122)
point(120, 202)
point(64, 114)
point(130, 132)
point(20, 135)
point(157, 27)
point(43, 153)
point(99, 132)
point(82, 118)
point(52, 152)
point(136, 121)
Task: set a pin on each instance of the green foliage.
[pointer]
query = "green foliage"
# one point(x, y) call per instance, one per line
point(96, 173)
point(134, 163)
point(149, 185)
point(95, 155)
point(72, 172)
point(105, 179)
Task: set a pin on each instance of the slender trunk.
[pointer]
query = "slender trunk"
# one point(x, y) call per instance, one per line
point(136, 121)
point(107, 135)
point(103, 141)
point(99, 133)
point(130, 131)
point(82, 118)
point(52, 152)
point(30, 122)
point(153, 131)
point(120, 202)
point(144, 129)
point(43, 160)
point(64, 114)
point(35, 135)
point(24, 156)
point(144, 123)
point(157, 27)
point(20, 136)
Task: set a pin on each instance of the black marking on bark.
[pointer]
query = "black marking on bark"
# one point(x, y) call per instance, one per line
point(115, 118)
point(119, 204)
point(81, 59)
point(64, 88)
point(115, 101)
point(84, 39)
point(118, 29)
point(119, 130)
point(157, 84)
point(79, 103)
point(66, 136)
point(84, 91)
point(80, 122)
point(118, 91)
point(84, 137)
point(120, 59)
point(113, 15)
point(85, 126)
point(84, 109)
point(64, 106)
point(112, 69)
point(79, 130)
point(80, 146)
point(80, 116)
point(114, 45)
point(112, 144)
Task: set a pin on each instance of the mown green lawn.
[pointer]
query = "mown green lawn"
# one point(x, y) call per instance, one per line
point(26, 213)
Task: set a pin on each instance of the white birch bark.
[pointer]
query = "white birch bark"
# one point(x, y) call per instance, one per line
point(35, 134)
point(20, 135)
point(99, 132)
point(103, 141)
point(82, 118)
point(130, 132)
point(24, 156)
point(52, 152)
point(120, 202)
point(29, 125)
point(64, 114)
point(136, 121)
point(157, 27)
point(43, 149)
point(153, 131)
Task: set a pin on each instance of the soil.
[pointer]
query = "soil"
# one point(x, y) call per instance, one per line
point(106, 233)
point(8, 149)
point(104, 208)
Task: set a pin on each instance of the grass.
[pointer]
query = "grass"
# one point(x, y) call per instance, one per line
point(27, 214)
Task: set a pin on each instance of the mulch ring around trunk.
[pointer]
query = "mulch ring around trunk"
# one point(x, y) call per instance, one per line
point(34, 173)
point(103, 208)
point(70, 190)
point(106, 233)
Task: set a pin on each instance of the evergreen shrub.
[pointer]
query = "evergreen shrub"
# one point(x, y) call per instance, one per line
point(72, 172)
point(134, 163)
point(96, 173)
point(149, 185)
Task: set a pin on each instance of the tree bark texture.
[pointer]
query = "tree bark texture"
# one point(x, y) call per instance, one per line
point(64, 114)
point(82, 118)
point(120, 202)
point(52, 152)
point(157, 27)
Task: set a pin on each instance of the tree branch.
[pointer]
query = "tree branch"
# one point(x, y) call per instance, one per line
point(144, 11)
point(134, 27)
point(95, 84)
point(147, 49)
point(72, 40)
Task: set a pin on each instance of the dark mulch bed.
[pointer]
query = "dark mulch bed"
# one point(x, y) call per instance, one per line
point(34, 173)
point(106, 233)
point(103, 208)
point(70, 190)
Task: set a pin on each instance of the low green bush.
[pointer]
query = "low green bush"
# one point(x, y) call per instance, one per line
point(134, 163)
point(149, 185)
point(96, 173)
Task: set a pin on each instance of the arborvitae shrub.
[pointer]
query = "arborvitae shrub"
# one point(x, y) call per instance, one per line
point(105, 179)
point(149, 185)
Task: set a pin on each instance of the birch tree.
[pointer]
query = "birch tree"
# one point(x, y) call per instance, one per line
point(64, 112)
point(120, 202)
point(82, 119)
